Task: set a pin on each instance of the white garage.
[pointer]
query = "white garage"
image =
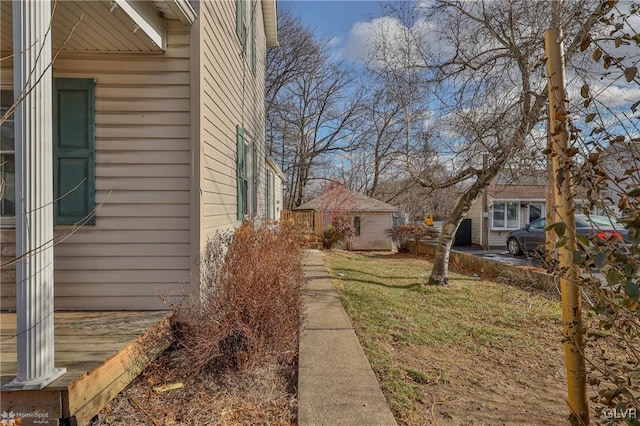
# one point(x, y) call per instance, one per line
point(370, 217)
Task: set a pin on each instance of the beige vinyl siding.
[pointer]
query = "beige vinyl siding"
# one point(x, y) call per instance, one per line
point(139, 248)
point(498, 239)
point(278, 195)
point(230, 95)
point(475, 214)
point(372, 231)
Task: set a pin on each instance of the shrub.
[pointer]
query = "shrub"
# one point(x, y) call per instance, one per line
point(339, 234)
point(250, 308)
point(402, 234)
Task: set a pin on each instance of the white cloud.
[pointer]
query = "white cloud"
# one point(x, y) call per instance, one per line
point(616, 95)
point(364, 37)
point(335, 42)
point(361, 40)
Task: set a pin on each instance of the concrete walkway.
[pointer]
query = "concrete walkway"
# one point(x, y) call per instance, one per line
point(336, 385)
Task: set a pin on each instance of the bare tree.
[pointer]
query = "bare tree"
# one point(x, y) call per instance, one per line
point(416, 200)
point(396, 64)
point(378, 141)
point(297, 51)
point(312, 106)
point(489, 90)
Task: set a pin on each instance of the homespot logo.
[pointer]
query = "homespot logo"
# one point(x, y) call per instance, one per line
point(628, 413)
point(12, 418)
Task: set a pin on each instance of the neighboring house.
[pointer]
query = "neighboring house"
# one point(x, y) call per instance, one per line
point(158, 141)
point(275, 190)
point(507, 207)
point(370, 217)
point(511, 201)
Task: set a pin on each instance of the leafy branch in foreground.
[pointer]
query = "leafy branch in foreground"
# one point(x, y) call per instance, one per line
point(605, 155)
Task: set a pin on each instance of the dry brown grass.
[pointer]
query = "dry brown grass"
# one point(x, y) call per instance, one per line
point(472, 353)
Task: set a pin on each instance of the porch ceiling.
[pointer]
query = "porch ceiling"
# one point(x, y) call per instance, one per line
point(101, 27)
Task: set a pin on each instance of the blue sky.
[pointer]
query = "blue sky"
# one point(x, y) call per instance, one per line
point(337, 20)
point(332, 18)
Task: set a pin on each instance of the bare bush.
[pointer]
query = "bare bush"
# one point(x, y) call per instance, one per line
point(251, 303)
point(340, 233)
point(402, 234)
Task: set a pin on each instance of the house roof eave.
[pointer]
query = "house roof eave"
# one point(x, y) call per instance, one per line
point(146, 18)
point(270, 18)
point(275, 167)
point(342, 199)
point(183, 10)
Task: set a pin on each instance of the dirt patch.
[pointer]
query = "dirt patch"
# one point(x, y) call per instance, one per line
point(496, 387)
point(260, 397)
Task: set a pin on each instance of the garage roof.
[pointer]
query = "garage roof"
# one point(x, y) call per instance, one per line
point(344, 199)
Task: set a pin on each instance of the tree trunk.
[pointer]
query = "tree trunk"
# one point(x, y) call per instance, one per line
point(440, 271)
point(301, 184)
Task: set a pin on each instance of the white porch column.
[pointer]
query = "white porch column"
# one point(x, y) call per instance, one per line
point(34, 194)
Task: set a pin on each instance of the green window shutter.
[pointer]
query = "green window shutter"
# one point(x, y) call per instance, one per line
point(240, 20)
point(74, 150)
point(240, 172)
point(268, 195)
point(254, 47)
point(254, 192)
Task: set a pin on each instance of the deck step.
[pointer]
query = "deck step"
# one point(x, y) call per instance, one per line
point(102, 352)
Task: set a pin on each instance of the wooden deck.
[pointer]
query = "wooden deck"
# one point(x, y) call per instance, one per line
point(102, 352)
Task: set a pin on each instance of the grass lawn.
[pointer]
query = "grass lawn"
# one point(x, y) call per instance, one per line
point(475, 352)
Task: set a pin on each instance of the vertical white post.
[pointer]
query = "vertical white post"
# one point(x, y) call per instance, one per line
point(32, 86)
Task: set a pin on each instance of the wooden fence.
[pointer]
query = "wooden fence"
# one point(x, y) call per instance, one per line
point(310, 219)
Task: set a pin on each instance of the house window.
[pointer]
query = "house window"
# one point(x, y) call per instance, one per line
point(241, 174)
point(7, 162)
point(357, 225)
point(270, 196)
point(74, 151)
point(254, 178)
point(536, 211)
point(247, 174)
point(506, 215)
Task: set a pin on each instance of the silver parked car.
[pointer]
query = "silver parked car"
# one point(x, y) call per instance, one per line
point(531, 238)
